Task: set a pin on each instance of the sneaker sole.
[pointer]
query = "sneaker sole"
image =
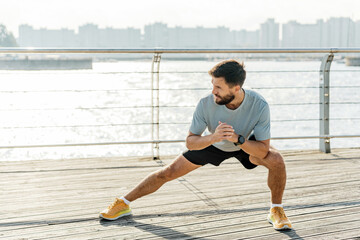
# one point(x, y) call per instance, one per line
point(285, 227)
point(120, 216)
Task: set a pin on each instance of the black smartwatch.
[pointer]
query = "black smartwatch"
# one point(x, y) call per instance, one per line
point(240, 141)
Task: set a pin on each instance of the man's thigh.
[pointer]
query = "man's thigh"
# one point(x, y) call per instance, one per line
point(179, 167)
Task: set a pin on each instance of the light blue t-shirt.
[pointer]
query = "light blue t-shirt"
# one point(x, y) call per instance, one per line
point(253, 115)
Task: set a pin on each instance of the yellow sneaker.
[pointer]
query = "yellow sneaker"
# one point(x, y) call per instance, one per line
point(278, 219)
point(116, 210)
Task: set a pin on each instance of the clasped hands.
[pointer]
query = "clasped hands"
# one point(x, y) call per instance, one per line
point(224, 131)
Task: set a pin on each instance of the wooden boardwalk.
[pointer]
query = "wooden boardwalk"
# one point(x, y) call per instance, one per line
point(61, 199)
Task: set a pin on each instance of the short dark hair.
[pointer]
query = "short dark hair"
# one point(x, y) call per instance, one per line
point(233, 72)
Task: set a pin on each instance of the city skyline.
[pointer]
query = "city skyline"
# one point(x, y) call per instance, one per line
point(142, 28)
point(335, 32)
point(234, 14)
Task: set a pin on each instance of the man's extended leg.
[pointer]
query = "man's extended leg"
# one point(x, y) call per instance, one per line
point(274, 162)
point(179, 167)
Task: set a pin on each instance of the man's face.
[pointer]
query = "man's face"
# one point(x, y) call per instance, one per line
point(222, 92)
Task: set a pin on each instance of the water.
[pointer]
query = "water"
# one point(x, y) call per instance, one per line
point(84, 106)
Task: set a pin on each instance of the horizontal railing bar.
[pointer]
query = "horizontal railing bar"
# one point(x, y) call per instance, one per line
point(80, 108)
point(90, 144)
point(80, 126)
point(76, 91)
point(137, 107)
point(164, 89)
point(141, 89)
point(344, 102)
point(343, 70)
point(295, 120)
point(129, 107)
point(314, 119)
point(266, 71)
point(106, 125)
point(162, 141)
point(277, 120)
point(285, 87)
point(8, 50)
point(337, 119)
point(345, 86)
point(202, 72)
point(316, 137)
point(265, 88)
point(174, 123)
point(292, 104)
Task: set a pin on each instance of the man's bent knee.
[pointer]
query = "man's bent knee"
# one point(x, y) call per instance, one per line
point(272, 160)
point(275, 159)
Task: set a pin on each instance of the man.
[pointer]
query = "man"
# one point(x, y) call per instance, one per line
point(230, 113)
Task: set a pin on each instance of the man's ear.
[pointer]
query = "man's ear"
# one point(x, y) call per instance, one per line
point(237, 88)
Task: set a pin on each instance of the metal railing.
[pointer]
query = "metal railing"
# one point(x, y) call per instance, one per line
point(324, 87)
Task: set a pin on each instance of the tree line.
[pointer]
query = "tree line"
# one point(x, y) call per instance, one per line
point(7, 39)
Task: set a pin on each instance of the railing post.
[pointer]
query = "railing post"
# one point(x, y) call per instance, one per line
point(325, 102)
point(155, 106)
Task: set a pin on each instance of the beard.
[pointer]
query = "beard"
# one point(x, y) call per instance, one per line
point(224, 100)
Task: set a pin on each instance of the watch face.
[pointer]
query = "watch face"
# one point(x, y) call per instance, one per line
point(241, 140)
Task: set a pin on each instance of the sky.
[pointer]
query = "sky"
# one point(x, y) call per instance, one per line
point(234, 14)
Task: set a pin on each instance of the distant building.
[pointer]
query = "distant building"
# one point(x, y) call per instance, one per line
point(201, 37)
point(92, 36)
point(180, 37)
point(89, 35)
point(339, 32)
point(160, 35)
point(295, 34)
point(29, 37)
point(269, 34)
point(245, 39)
point(357, 34)
point(156, 35)
point(336, 32)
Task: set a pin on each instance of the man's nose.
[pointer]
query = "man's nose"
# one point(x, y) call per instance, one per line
point(213, 91)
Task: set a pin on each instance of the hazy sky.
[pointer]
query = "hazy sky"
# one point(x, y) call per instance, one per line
point(235, 14)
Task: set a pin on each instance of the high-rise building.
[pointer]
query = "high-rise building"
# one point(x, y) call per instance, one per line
point(156, 35)
point(269, 34)
point(119, 38)
point(89, 35)
point(339, 32)
point(160, 35)
point(357, 34)
point(29, 37)
point(295, 34)
point(198, 37)
point(245, 39)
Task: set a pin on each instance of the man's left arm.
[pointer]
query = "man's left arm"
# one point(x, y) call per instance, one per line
point(259, 149)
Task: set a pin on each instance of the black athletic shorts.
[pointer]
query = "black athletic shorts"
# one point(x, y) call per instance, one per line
point(216, 156)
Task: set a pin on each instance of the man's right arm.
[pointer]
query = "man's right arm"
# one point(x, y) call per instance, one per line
point(197, 142)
